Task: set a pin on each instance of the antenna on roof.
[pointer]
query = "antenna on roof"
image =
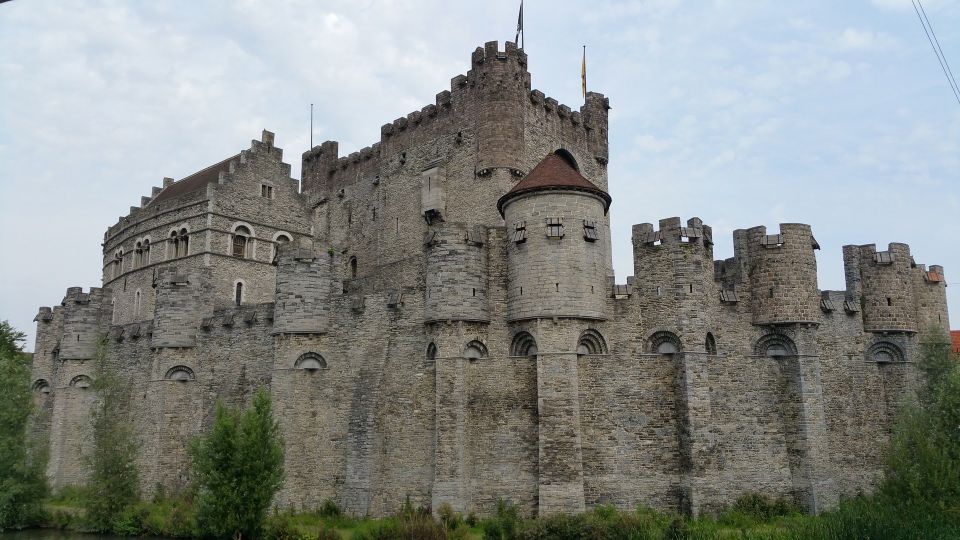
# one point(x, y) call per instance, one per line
point(311, 126)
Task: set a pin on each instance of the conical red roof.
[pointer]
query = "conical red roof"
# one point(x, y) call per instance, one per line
point(553, 172)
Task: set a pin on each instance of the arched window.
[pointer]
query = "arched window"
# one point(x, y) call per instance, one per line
point(138, 255)
point(591, 342)
point(174, 243)
point(145, 259)
point(183, 244)
point(884, 352)
point(41, 386)
point(432, 352)
point(665, 343)
point(180, 373)
point(710, 345)
point(310, 361)
point(353, 267)
point(281, 238)
point(775, 346)
point(136, 303)
point(238, 293)
point(475, 350)
point(81, 381)
point(241, 237)
point(523, 345)
point(118, 263)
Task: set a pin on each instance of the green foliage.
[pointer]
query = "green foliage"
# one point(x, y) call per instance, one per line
point(238, 468)
point(924, 459)
point(23, 484)
point(114, 483)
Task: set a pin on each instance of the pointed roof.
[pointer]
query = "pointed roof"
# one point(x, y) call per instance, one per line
point(554, 172)
point(195, 181)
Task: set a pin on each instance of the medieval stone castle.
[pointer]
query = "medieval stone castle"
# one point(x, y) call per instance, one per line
point(436, 317)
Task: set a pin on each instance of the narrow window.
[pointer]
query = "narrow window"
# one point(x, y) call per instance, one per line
point(691, 287)
point(558, 287)
point(238, 294)
point(138, 255)
point(554, 228)
point(174, 251)
point(184, 244)
point(240, 236)
point(146, 252)
point(373, 214)
point(136, 304)
point(353, 267)
point(398, 225)
point(266, 191)
point(889, 301)
point(474, 292)
point(590, 231)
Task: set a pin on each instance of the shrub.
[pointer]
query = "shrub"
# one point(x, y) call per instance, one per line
point(23, 482)
point(329, 509)
point(114, 483)
point(238, 468)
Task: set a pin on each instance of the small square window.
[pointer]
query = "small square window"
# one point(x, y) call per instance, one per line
point(266, 191)
point(554, 228)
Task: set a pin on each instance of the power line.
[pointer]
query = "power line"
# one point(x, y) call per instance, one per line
point(946, 73)
point(937, 42)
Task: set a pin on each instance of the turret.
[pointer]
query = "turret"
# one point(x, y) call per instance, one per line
point(595, 119)
point(501, 84)
point(556, 257)
point(183, 299)
point(304, 289)
point(886, 287)
point(782, 270)
point(931, 293)
point(456, 273)
point(81, 323)
point(675, 265)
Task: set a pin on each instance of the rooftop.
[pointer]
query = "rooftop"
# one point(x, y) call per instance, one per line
point(194, 182)
point(555, 171)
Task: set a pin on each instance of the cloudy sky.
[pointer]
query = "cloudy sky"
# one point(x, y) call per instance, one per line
point(744, 113)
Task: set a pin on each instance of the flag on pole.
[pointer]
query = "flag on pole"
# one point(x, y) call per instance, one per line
point(583, 72)
point(516, 40)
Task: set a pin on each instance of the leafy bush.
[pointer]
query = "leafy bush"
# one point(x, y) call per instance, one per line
point(238, 468)
point(23, 482)
point(114, 483)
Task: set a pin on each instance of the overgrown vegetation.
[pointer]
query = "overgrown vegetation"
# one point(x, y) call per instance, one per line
point(238, 469)
point(114, 484)
point(23, 484)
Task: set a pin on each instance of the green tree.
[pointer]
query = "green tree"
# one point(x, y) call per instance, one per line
point(114, 482)
point(23, 482)
point(924, 461)
point(238, 468)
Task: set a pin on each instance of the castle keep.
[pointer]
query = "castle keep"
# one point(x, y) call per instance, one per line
point(436, 317)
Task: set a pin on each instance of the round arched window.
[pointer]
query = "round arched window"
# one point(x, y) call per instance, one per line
point(180, 373)
point(310, 361)
point(475, 350)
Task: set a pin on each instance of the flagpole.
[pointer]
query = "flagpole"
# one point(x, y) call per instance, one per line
point(583, 73)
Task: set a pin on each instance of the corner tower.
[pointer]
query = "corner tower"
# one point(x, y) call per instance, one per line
point(556, 289)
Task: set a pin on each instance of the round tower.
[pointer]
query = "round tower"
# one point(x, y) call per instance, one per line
point(81, 323)
point(501, 84)
point(303, 297)
point(675, 264)
point(887, 290)
point(555, 256)
point(456, 273)
point(183, 299)
point(782, 270)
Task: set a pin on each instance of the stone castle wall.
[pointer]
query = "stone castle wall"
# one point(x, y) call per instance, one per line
point(403, 359)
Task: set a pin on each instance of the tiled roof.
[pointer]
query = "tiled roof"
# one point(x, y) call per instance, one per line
point(195, 181)
point(553, 172)
point(955, 340)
